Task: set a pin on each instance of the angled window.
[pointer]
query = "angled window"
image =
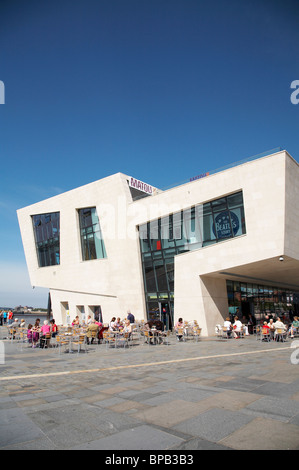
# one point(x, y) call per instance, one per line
point(190, 229)
point(46, 229)
point(92, 243)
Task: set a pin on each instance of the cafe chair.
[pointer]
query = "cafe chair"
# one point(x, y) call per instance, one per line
point(45, 342)
point(109, 339)
point(165, 337)
point(147, 337)
point(180, 334)
point(60, 342)
point(196, 333)
point(79, 341)
point(122, 340)
point(280, 335)
point(94, 337)
point(265, 335)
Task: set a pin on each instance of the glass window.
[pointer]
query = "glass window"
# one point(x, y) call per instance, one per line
point(47, 238)
point(191, 229)
point(92, 243)
point(149, 275)
point(167, 233)
point(144, 239)
point(235, 200)
point(161, 275)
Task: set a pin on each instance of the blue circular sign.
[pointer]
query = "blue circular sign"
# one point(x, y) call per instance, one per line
point(224, 223)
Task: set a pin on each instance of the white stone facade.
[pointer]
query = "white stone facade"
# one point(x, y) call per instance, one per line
point(270, 187)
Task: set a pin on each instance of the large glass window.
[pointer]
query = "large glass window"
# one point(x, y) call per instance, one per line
point(260, 300)
point(187, 230)
point(92, 243)
point(47, 238)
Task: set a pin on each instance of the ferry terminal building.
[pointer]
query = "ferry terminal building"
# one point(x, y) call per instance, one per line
point(201, 250)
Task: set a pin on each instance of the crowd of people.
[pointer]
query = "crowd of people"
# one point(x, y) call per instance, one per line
point(271, 324)
point(6, 317)
point(94, 329)
point(36, 333)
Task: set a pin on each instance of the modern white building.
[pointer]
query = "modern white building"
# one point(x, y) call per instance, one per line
point(221, 242)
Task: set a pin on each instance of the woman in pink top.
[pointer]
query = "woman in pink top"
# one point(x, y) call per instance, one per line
point(44, 330)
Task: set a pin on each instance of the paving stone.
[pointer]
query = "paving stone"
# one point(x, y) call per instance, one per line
point(16, 427)
point(213, 425)
point(171, 413)
point(143, 437)
point(203, 398)
point(264, 434)
point(199, 444)
point(279, 408)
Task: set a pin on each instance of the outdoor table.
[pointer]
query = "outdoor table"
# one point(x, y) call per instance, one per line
point(69, 337)
point(157, 334)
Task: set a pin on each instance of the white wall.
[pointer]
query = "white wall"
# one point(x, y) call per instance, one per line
point(200, 291)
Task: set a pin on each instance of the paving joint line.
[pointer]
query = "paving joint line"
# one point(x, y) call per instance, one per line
point(131, 366)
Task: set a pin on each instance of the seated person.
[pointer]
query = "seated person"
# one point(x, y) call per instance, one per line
point(127, 327)
point(179, 329)
point(228, 325)
point(279, 325)
point(237, 327)
point(35, 333)
point(147, 327)
point(76, 321)
point(29, 333)
point(92, 331)
point(294, 328)
point(14, 326)
point(159, 325)
point(45, 329)
point(266, 329)
point(112, 324)
point(54, 329)
point(118, 323)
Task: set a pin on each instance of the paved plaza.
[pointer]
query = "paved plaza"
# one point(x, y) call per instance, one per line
point(206, 395)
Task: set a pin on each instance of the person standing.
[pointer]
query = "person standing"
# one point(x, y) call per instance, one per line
point(10, 317)
point(131, 317)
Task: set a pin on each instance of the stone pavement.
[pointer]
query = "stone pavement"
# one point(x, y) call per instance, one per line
point(212, 394)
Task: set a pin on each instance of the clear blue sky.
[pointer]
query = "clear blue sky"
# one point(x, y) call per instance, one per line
point(158, 89)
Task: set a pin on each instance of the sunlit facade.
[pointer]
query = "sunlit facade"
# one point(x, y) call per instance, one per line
point(218, 244)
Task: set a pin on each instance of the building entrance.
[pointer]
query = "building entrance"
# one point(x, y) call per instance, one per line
point(261, 300)
point(161, 311)
point(166, 314)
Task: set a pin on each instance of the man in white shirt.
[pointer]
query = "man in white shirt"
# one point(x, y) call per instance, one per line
point(279, 325)
point(237, 328)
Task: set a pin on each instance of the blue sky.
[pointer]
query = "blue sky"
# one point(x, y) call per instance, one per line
point(162, 90)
